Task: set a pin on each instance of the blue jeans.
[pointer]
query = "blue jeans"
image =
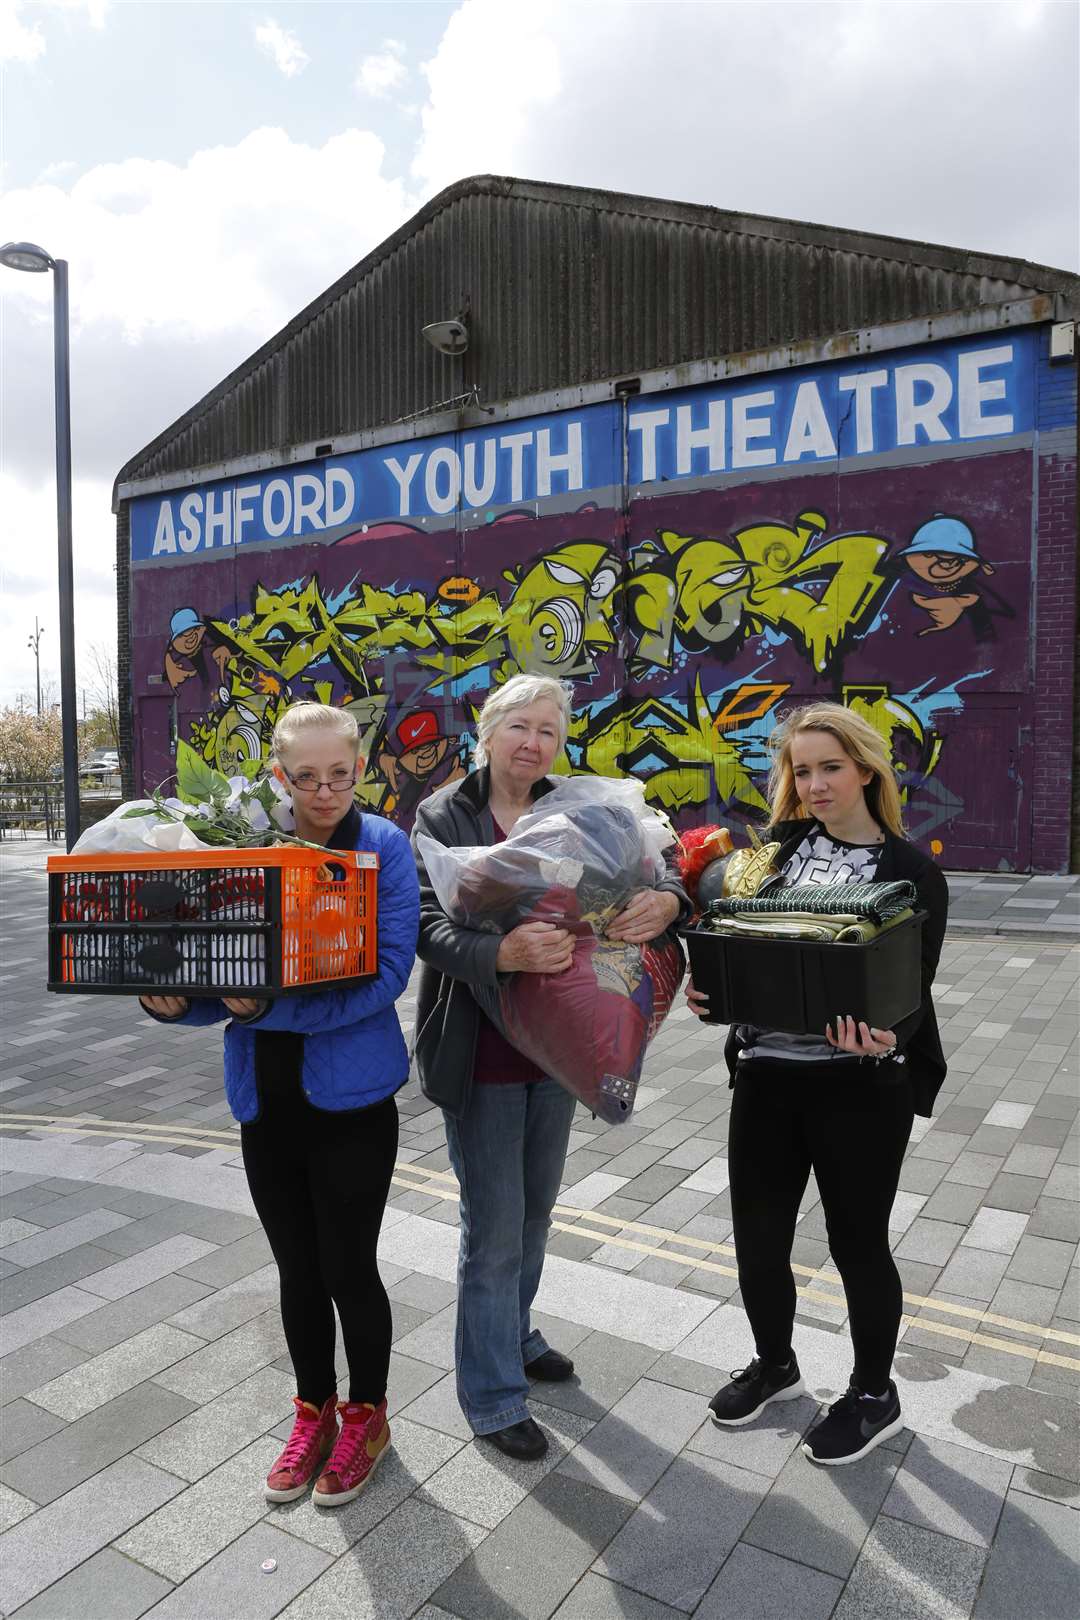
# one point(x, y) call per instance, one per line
point(508, 1152)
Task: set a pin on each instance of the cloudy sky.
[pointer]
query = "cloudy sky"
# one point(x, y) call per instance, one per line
point(208, 168)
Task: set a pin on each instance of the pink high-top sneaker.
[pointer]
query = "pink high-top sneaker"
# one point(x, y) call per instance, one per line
point(312, 1439)
point(363, 1439)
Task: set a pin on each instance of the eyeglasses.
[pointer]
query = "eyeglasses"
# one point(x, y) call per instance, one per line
point(308, 782)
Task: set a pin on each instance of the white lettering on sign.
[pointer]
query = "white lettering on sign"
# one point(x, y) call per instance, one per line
point(218, 518)
point(974, 392)
point(646, 423)
point(745, 428)
point(403, 474)
point(710, 437)
point(927, 411)
point(339, 507)
point(277, 507)
point(809, 433)
point(442, 493)
point(547, 462)
point(478, 491)
point(243, 510)
point(164, 532)
point(515, 443)
point(863, 383)
point(190, 534)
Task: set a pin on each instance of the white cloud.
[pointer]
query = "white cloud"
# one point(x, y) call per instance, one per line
point(25, 42)
point(383, 72)
point(282, 46)
point(18, 42)
point(177, 272)
point(954, 124)
point(28, 577)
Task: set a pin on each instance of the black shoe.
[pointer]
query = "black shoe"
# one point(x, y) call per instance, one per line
point(752, 1388)
point(525, 1440)
point(854, 1425)
point(550, 1368)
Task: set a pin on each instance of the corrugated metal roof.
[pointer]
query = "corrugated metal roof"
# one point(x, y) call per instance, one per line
point(566, 286)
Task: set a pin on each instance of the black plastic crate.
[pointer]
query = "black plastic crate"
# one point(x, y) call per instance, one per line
point(800, 985)
point(266, 923)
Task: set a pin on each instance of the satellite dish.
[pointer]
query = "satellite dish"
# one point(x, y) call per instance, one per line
point(449, 337)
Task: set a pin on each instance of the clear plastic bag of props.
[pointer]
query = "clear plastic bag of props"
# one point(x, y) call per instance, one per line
point(577, 857)
point(120, 833)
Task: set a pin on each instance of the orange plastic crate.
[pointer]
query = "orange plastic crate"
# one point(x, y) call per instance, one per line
point(219, 922)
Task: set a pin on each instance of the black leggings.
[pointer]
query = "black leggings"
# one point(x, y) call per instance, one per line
point(787, 1119)
point(319, 1182)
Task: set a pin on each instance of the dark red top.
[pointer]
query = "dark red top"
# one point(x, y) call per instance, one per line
point(497, 1063)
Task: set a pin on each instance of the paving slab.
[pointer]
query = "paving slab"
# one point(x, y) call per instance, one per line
point(43, 1548)
point(758, 1585)
point(907, 1573)
point(107, 1583)
point(83, 1449)
point(821, 1516)
point(410, 1556)
point(505, 1579)
point(628, 1450)
point(673, 1545)
point(1031, 1569)
point(204, 1519)
point(236, 1582)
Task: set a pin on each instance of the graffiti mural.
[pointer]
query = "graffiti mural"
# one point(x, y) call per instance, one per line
point(688, 611)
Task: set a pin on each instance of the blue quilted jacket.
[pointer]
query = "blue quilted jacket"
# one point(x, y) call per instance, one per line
point(354, 1051)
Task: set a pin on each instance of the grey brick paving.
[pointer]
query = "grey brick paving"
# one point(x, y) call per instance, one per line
point(58, 1538)
point(911, 1574)
point(107, 1583)
point(759, 1585)
point(235, 1577)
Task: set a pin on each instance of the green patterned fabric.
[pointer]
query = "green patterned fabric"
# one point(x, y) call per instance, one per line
point(839, 929)
point(873, 902)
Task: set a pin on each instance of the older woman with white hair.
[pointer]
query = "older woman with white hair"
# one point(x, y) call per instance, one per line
point(507, 1124)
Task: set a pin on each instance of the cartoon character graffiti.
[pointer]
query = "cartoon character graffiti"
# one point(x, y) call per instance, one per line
point(558, 619)
point(190, 640)
point(413, 760)
point(712, 594)
point(943, 557)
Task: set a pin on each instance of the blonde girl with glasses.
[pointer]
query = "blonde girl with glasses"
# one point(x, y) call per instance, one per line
point(311, 1079)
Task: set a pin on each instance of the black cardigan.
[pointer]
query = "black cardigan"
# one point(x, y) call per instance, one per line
point(917, 1035)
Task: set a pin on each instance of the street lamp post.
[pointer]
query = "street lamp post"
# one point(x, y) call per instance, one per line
point(27, 256)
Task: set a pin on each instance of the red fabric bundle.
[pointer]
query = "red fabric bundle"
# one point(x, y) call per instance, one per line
point(589, 1027)
point(699, 848)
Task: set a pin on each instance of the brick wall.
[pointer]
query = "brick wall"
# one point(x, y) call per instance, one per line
point(1055, 843)
point(123, 650)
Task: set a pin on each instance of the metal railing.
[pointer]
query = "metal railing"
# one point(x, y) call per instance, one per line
point(32, 807)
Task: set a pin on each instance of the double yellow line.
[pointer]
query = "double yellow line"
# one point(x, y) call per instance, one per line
point(674, 1247)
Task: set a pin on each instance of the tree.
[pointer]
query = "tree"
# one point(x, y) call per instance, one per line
point(30, 744)
point(101, 701)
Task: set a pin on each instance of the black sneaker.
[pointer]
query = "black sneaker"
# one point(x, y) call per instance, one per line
point(752, 1388)
point(854, 1425)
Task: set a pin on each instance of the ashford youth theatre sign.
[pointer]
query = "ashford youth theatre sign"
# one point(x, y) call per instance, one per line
point(942, 394)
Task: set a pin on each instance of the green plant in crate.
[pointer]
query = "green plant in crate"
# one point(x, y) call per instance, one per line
point(249, 811)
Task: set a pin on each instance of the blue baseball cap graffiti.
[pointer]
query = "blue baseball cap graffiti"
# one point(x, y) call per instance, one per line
point(184, 619)
point(947, 535)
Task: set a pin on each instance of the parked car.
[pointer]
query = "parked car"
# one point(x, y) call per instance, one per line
point(102, 762)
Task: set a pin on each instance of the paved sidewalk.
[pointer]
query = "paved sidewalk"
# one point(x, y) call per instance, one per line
point(145, 1386)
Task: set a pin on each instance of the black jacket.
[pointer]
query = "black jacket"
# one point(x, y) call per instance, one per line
point(453, 957)
point(917, 1035)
